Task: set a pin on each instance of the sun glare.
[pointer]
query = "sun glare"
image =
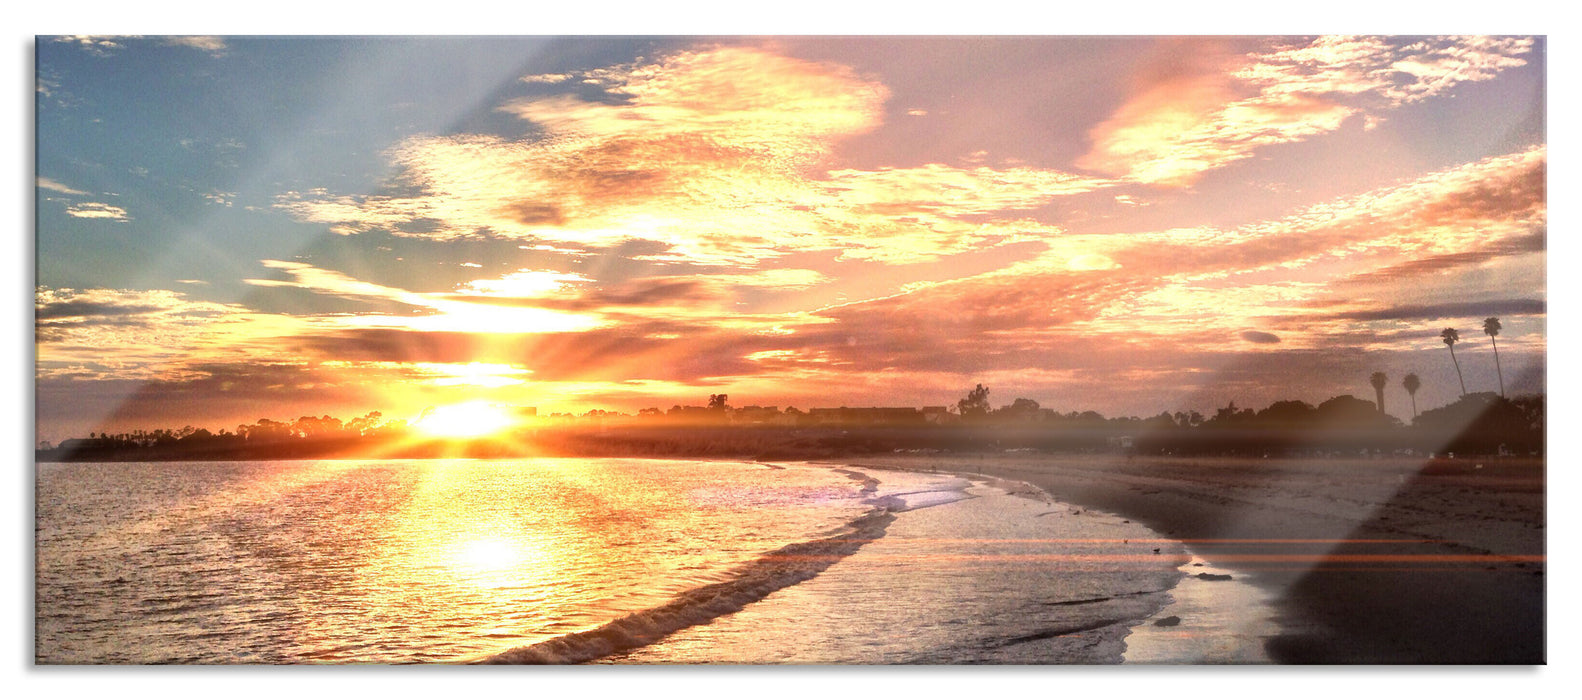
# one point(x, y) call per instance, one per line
point(488, 555)
point(496, 562)
point(465, 420)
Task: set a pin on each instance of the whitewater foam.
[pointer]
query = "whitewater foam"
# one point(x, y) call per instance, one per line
point(783, 567)
point(973, 571)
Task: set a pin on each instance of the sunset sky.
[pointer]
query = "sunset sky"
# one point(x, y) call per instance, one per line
point(236, 228)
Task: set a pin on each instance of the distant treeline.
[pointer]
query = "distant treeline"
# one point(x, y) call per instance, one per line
point(1483, 423)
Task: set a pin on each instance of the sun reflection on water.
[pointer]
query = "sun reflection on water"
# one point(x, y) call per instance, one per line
point(398, 561)
point(495, 562)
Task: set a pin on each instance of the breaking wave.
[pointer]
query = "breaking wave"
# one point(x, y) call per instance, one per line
point(787, 566)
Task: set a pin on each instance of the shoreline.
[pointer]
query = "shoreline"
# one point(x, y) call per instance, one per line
point(1214, 619)
point(1387, 561)
point(954, 580)
point(1218, 620)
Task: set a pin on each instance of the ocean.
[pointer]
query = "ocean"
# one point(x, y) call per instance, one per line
point(584, 561)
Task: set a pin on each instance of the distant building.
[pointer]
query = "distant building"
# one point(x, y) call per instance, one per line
point(755, 415)
point(872, 415)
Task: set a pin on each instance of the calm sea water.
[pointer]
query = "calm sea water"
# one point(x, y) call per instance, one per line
point(571, 560)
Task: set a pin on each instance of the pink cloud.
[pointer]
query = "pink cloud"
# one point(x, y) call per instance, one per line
point(1212, 111)
point(714, 153)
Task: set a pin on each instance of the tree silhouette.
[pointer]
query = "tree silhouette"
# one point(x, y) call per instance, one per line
point(1347, 412)
point(1451, 337)
point(717, 401)
point(976, 403)
point(1378, 380)
point(1411, 382)
point(1491, 326)
point(1286, 414)
point(1024, 405)
point(1020, 409)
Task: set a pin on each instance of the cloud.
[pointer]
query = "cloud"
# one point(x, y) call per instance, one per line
point(540, 302)
point(645, 351)
point(105, 45)
point(651, 292)
point(212, 44)
point(739, 97)
point(712, 184)
point(215, 395)
point(1155, 136)
point(900, 215)
point(1259, 337)
point(715, 154)
point(1419, 267)
point(1437, 65)
point(48, 184)
point(1153, 307)
point(437, 311)
point(1496, 205)
point(306, 276)
point(1439, 312)
point(524, 284)
point(98, 45)
point(135, 334)
point(97, 210)
point(1190, 288)
point(775, 278)
point(1210, 109)
point(1083, 262)
point(560, 326)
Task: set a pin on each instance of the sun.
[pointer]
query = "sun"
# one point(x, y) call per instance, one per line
point(464, 420)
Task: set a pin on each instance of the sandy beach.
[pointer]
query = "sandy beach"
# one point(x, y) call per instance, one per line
point(1368, 561)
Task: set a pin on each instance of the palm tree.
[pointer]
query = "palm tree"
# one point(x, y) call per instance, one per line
point(1491, 326)
point(1378, 380)
point(1411, 382)
point(1451, 337)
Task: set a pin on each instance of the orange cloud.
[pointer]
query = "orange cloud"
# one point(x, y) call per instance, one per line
point(140, 334)
point(1220, 110)
point(712, 153)
point(1150, 305)
point(1174, 285)
point(442, 311)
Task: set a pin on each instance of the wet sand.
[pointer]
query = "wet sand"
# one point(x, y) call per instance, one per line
point(1369, 561)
